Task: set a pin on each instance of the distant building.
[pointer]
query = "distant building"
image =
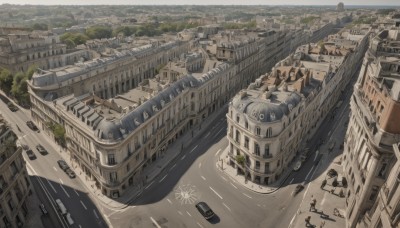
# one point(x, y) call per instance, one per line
point(14, 183)
point(373, 129)
point(340, 6)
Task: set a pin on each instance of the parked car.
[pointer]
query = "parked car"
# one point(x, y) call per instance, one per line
point(61, 207)
point(41, 149)
point(12, 107)
point(297, 166)
point(32, 126)
point(31, 155)
point(304, 155)
point(63, 165)
point(205, 210)
point(43, 209)
point(298, 189)
point(70, 173)
point(69, 219)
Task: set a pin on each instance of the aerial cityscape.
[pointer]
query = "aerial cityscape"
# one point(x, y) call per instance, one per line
point(186, 114)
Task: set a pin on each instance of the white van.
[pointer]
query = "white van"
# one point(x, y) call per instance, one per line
point(61, 207)
point(69, 219)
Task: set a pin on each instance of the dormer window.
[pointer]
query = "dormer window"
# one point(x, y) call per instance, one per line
point(155, 108)
point(290, 107)
point(162, 103)
point(145, 115)
point(136, 121)
point(272, 116)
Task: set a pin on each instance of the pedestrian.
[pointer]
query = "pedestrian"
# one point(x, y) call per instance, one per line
point(322, 224)
point(308, 220)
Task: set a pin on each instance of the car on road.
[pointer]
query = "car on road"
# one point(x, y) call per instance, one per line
point(297, 166)
point(43, 209)
point(63, 165)
point(61, 207)
point(31, 155)
point(12, 107)
point(41, 149)
point(70, 173)
point(304, 155)
point(32, 126)
point(205, 210)
point(298, 189)
point(69, 219)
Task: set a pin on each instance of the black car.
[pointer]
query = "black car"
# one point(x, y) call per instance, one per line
point(32, 126)
point(43, 209)
point(63, 165)
point(31, 155)
point(12, 107)
point(298, 189)
point(70, 173)
point(205, 210)
point(41, 149)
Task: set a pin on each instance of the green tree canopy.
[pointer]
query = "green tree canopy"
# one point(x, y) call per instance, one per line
point(99, 32)
point(6, 80)
point(76, 38)
point(40, 26)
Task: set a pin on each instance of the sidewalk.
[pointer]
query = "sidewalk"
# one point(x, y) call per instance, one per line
point(259, 188)
point(34, 213)
point(152, 170)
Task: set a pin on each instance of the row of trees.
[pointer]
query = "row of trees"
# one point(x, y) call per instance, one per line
point(248, 25)
point(16, 85)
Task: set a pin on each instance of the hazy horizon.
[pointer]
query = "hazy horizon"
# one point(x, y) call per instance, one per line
point(204, 2)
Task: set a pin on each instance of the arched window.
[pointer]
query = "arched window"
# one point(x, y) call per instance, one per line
point(258, 130)
point(269, 133)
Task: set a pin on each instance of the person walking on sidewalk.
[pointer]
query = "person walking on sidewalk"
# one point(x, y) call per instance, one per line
point(312, 204)
point(307, 220)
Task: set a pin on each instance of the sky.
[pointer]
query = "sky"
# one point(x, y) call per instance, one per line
point(201, 2)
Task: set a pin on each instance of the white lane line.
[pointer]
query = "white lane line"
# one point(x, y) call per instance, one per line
point(55, 168)
point(247, 195)
point(216, 193)
point(95, 214)
point(180, 213)
point(66, 193)
point(216, 154)
point(61, 181)
point(224, 178)
point(76, 192)
point(155, 223)
point(80, 226)
point(169, 201)
point(199, 225)
point(163, 178)
point(184, 156)
point(309, 172)
point(234, 186)
point(193, 149)
point(203, 178)
point(51, 185)
point(84, 206)
point(188, 213)
point(207, 135)
point(200, 165)
point(149, 185)
point(314, 171)
point(226, 206)
point(291, 181)
point(219, 131)
point(291, 221)
point(172, 167)
point(316, 155)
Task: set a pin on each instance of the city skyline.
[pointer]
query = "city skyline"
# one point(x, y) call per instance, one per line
point(192, 2)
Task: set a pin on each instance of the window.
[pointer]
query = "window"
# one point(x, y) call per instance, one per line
point(258, 131)
point(374, 193)
point(111, 159)
point(237, 119)
point(128, 167)
point(382, 171)
point(257, 165)
point(113, 177)
point(266, 167)
point(257, 149)
point(269, 133)
point(246, 142)
point(246, 125)
point(237, 139)
point(266, 151)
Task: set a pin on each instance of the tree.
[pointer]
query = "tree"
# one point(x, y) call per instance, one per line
point(99, 32)
point(58, 132)
point(6, 80)
point(76, 38)
point(240, 159)
point(40, 26)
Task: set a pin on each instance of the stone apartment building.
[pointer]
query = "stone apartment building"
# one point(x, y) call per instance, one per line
point(21, 50)
point(268, 121)
point(369, 154)
point(14, 183)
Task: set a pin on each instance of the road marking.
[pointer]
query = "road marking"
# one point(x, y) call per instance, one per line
point(183, 157)
point(224, 178)
point(219, 131)
point(291, 181)
point(203, 178)
point(207, 135)
point(180, 213)
point(309, 172)
point(188, 213)
point(234, 186)
point(55, 168)
point(172, 167)
point(76, 192)
point(66, 193)
point(226, 206)
point(95, 214)
point(163, 178)
point(149, 185)
point(155, 223)
point(216, 193)
point(200, 165)
point(80, 226)
point(199, 225)
point(316, 155)
point(84, 206)
point(51, 185)
point(169, 201)
point(314, 171)
point(193, 149)
point(247, 195)
point(216, 154)
point(61, 181)
point(291, 221)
